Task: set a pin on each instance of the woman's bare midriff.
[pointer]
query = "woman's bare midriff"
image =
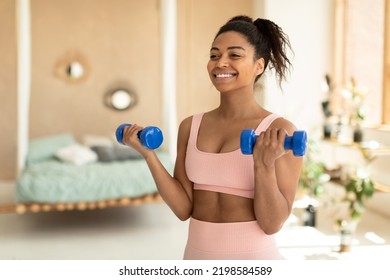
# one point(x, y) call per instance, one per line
point(222, 208)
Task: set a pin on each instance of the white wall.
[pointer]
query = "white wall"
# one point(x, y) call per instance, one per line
point(309, 25)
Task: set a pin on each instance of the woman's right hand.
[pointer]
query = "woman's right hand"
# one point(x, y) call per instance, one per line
point(131, 139)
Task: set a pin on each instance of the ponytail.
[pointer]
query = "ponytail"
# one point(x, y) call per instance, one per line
point(277, 42)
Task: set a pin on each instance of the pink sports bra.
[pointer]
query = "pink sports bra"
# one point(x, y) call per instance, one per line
point(230, 173)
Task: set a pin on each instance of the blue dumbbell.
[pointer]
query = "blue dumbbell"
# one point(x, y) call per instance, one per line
point(151, 137)
point(296, 142)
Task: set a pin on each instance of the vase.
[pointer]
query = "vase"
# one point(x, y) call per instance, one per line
point(357, 134)
point(327, 131)
point(309, 216)
point(347, 233)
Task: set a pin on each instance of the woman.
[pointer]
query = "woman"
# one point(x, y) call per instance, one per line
point(235, 202)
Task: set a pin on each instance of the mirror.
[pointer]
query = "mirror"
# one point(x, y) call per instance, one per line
point(72, 68)
point(120, 99)
point(75, 70)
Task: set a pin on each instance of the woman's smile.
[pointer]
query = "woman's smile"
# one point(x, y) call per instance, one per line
point(224, 77)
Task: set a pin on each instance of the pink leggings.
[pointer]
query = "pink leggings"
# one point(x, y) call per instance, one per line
point(229, 241)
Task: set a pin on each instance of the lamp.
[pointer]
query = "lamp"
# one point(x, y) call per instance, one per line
point(120, 99)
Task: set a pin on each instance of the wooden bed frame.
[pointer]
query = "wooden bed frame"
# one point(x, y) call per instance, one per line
point(22, 208)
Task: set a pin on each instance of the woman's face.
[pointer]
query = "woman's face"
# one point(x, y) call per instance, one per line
point(232, 65)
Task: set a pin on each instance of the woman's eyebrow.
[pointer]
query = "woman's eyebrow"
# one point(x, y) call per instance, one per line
point(229, 48)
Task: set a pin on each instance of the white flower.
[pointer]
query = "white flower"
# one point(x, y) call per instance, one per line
point(351, 196)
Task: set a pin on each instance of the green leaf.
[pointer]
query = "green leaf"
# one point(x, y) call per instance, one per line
point(368, 187)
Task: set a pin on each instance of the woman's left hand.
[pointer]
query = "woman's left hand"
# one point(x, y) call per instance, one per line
point(269, 147)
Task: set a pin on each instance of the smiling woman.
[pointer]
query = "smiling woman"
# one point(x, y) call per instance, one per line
point(240, 53)
point(235, 202)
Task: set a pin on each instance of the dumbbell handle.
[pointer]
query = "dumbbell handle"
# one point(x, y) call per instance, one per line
point(296, 142)
point(151, 137)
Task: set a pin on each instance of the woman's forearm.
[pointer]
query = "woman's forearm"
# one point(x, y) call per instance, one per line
point(271, 207)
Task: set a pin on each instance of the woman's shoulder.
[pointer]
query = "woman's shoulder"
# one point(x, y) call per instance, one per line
point(186, 123)
point(188, 120)
point(185, 127)
point(281, 122)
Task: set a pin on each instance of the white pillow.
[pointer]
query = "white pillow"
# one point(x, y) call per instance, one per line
point(76, 154)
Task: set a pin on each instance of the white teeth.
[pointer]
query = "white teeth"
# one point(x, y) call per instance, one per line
point(224, 75)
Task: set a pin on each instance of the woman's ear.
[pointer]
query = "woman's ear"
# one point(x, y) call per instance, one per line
point(259, 66)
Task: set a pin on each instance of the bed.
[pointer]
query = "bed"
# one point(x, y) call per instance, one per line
point(63, 174)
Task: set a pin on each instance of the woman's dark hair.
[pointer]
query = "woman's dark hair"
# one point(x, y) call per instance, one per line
point(267, 38)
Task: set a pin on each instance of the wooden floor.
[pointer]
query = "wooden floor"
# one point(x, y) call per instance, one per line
point(151, 231)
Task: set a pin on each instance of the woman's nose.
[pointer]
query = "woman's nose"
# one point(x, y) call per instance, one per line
point(222, 62)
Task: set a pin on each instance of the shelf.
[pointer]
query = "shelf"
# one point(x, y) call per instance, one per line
point(369, 149)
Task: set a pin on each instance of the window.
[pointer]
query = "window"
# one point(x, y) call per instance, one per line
point(386, 66)
point(360, 54)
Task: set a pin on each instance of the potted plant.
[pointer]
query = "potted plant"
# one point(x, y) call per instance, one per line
point(313, 173)
point(357, 188)
point(311, 182)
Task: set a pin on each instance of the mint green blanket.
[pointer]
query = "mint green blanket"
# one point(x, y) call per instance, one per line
point(52, 181)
